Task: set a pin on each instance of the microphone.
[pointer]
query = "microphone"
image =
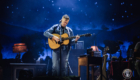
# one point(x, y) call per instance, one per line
point(60, 21)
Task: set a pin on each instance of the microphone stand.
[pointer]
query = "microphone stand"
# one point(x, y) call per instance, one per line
point(69, 68)
point(60, 45)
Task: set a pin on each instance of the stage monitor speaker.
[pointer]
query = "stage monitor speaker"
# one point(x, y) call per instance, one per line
point(79, 45)
point(56, 78)
point(25, 75)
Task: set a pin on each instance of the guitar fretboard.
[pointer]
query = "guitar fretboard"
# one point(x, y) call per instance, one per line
point(73, 37)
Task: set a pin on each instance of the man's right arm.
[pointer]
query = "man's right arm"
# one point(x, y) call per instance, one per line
point(48, 33)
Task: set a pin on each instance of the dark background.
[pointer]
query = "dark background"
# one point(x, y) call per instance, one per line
point(26, 20)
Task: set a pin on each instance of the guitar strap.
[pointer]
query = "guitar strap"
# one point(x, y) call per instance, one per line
point(54, 29)
point(68, 31)
point(59, 28)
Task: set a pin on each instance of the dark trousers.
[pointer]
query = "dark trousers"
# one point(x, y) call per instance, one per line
point(56, 62)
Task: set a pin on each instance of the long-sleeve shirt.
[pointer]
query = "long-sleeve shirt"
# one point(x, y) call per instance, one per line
point(56, 29)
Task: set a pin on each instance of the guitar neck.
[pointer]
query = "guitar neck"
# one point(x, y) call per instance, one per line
point(72, 37)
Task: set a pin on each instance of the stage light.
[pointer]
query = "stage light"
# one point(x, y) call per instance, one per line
point(94, 48)
point(19, 48)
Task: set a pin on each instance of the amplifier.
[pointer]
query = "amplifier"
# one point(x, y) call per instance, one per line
point(93, 53)
point(97, 54)
point(79, 45)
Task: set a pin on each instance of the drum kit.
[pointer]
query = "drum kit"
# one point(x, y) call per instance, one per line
point(113, 48)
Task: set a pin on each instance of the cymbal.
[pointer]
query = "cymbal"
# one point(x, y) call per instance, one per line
point(113, 46)
point(101, 48)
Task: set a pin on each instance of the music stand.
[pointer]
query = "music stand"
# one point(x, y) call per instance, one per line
point(19, 48)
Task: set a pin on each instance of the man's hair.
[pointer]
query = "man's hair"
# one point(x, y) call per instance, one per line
point(66, 17)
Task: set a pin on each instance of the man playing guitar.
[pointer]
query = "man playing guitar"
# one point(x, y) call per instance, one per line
point(65, 49)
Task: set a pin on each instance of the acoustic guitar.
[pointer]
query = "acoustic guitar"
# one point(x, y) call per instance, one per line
point(65, 40)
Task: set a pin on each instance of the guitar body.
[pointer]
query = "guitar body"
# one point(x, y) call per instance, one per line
point(54, 45)
point(65, 40)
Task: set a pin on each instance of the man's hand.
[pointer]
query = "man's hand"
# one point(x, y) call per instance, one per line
point(55, 38)
point(77, 37)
